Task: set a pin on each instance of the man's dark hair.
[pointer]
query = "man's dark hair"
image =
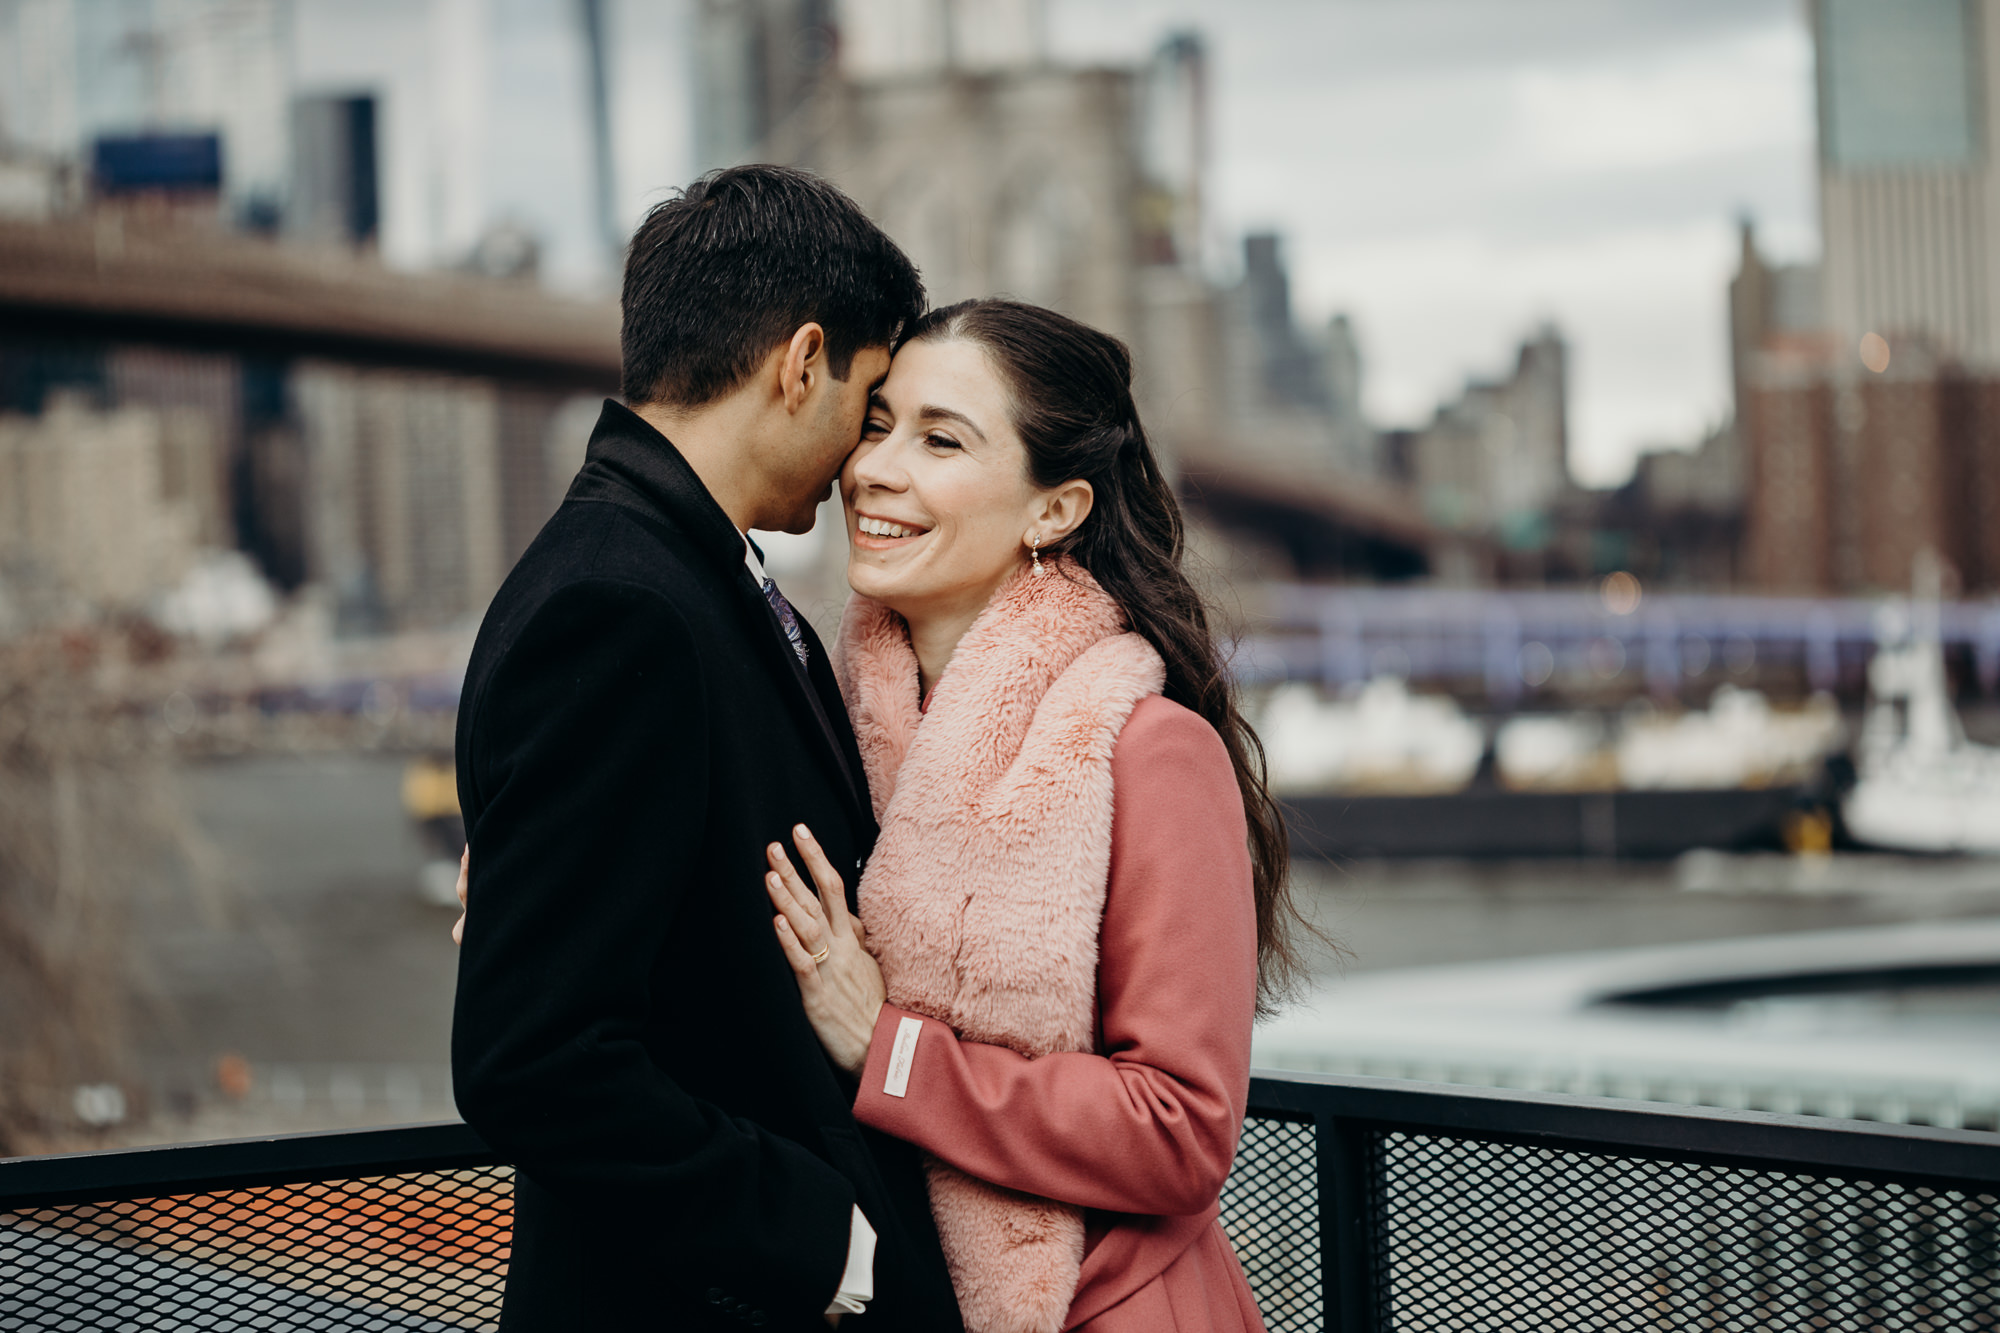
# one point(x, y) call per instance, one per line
point(732, 266)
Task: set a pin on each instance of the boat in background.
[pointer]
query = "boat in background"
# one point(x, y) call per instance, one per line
point(1920, 785)
point(1739, 740)
point(1378, 738)
point(1484, 822)
point(1382, 772)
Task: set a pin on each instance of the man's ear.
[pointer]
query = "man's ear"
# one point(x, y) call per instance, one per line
point(803, 363)
point(1064, 509)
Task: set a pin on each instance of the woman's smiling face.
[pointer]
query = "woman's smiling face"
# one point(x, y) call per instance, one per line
point(940, 505)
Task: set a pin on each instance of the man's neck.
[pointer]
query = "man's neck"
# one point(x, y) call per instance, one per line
point(711, 438)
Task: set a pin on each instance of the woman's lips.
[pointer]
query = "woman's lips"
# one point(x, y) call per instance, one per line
point(882, 534)
point(884, 527)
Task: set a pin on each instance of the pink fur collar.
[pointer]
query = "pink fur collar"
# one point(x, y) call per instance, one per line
point(986, 889)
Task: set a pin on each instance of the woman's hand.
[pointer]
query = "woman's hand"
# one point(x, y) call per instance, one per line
point(838, 978)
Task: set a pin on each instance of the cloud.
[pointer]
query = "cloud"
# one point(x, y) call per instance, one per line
point(1689, 103)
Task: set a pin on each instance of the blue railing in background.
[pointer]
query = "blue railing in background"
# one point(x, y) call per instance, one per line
point(1343, 635)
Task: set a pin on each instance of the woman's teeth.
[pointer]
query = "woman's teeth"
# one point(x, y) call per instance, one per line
point(877, 527)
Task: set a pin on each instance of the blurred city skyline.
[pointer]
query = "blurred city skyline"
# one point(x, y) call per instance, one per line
point(1452, 175)
point(1396, 278)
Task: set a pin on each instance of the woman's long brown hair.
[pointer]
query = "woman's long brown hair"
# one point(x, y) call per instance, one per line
point(1071, 387)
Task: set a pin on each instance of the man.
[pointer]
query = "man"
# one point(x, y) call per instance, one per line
point(643, 716)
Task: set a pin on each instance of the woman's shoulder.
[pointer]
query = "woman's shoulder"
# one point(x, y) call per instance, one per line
point(1162, 737)
point(1174, 794)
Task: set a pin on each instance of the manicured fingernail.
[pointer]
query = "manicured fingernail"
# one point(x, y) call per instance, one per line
point(802, 831)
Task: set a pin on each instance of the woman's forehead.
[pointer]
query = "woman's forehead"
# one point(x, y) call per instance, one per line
point(951, 373)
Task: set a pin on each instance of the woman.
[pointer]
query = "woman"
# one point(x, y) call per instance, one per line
point(1077, 904)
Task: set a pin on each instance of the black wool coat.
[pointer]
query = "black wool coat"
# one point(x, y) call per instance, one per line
point(634, 731)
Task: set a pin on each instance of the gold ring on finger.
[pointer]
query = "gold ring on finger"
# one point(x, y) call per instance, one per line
point(820, 957)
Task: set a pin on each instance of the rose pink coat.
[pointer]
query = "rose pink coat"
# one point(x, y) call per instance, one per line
point(1062, 893)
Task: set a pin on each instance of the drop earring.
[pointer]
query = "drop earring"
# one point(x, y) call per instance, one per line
point(1035, 551)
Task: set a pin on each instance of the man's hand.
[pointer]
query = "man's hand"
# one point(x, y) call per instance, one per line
point(464, 880)
point(839, 979)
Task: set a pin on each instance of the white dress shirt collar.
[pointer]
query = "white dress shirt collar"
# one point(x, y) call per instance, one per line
point(752, 563)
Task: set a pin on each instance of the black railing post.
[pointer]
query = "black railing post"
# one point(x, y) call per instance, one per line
point(1347, 1238)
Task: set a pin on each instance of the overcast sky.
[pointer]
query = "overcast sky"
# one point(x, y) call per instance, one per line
point(1452, 172)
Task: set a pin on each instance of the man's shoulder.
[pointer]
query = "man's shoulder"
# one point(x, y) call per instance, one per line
point(593, 543)
point(594, 561)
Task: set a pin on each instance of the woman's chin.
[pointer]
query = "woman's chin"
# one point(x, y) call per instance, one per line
point(871, 580)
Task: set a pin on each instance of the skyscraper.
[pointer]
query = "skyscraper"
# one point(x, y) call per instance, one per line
point(1293, 393)
point(1496, 459)
point(1909, 191)
point(1875, 438)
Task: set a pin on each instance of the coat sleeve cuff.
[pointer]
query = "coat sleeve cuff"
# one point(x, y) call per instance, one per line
point(895, 1054)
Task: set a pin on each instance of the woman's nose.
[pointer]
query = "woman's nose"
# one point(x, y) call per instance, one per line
point(875, 466)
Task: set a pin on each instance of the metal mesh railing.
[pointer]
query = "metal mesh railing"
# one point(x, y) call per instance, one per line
point(406, 1253)
point(1270, 1208)
point(1477, 1237)
point(1357, 1205)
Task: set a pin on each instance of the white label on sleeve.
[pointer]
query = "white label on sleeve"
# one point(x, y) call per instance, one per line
point(897, 1084)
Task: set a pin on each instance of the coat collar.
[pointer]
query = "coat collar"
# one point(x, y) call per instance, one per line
point(1026, 638)
point(627, 450)
point(631, 449)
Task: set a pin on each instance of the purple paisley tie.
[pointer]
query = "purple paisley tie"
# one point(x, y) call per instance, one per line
point(786, 618)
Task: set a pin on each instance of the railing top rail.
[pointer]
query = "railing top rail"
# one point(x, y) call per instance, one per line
point(1816, 1144)
point(1820, 1146)
point(198, 1168)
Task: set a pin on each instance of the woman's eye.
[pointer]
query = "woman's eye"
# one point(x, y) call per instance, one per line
point(874, 428)
point(937, 441)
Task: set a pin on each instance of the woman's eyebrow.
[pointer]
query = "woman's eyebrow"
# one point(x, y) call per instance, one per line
point(932, 412)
